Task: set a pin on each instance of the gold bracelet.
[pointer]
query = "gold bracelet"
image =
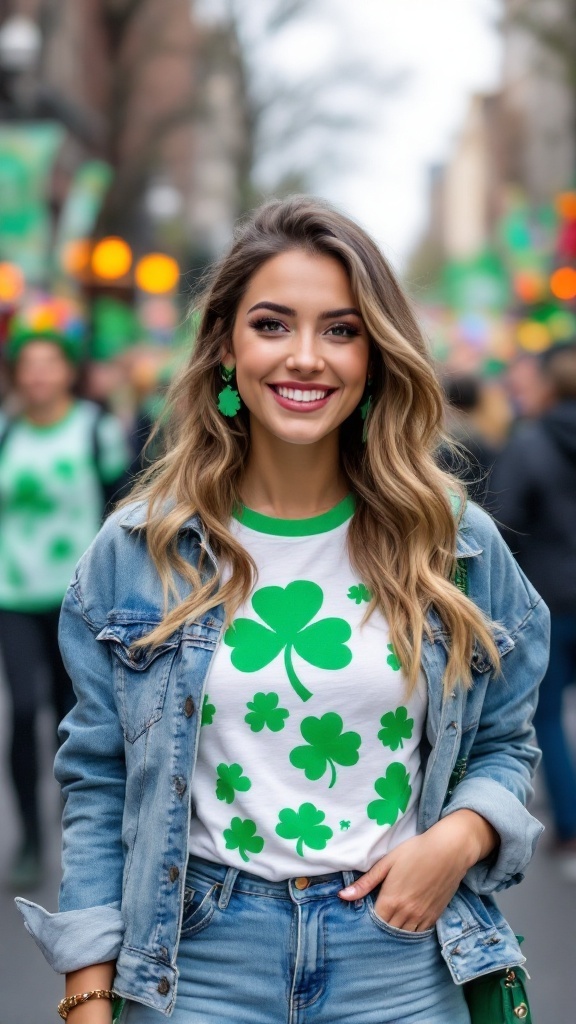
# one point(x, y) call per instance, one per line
point(69, 1002)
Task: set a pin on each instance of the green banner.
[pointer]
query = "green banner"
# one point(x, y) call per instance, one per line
point(27, 154)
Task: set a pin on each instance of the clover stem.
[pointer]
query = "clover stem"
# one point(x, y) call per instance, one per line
point(243, 854)
point(332, 773)
point(299, 849)
point(299, 687)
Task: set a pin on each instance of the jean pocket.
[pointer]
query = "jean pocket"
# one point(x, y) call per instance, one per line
point(198, 911)
point(390, 929)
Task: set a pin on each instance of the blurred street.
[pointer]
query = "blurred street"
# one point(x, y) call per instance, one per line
point(542, 908)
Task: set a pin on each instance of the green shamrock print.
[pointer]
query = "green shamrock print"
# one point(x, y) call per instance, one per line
point(287, 612)
point(305, 826)
point(359, 593)
point(393, 659)
point(242, 836)
point(345, 825)
point(29, 496)
point(231, 779)
point(395, 791)
point(208, 711)
point(229, 401)
point(327, 745)
point(396, 727)
point(264, 711)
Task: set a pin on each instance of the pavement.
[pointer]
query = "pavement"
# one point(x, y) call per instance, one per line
point(542, 908)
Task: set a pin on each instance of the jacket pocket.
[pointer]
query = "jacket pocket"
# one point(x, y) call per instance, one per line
point(141, 675)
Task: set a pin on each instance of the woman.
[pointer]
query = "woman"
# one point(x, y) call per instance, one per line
point(61, 460)
point(278, 680)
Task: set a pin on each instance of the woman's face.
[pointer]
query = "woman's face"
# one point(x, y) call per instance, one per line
point(42, 374)
point(300, 347)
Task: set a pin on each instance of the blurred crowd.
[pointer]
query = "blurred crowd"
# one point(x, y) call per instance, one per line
point(73, 432)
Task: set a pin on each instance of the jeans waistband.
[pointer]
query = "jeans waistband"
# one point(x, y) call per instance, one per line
point(299, 887)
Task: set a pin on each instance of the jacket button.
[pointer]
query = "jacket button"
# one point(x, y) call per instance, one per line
point(163, 986)
point(188, 707)
point(174, 873)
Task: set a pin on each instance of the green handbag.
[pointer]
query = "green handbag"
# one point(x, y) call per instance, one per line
point(498, 998)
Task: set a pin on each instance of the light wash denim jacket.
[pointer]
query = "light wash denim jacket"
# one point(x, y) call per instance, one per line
point(130, 746)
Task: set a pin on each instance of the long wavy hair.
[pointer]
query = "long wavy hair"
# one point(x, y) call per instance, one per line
point(402, 535)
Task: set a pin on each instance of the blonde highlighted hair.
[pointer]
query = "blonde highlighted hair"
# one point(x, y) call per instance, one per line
point(402, 535)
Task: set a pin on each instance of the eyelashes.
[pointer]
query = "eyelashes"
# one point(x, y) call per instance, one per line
point(268, 325)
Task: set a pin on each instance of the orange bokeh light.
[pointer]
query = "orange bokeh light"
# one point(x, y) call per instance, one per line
point(157, 273)
point(111, 258)
point(76, 255)
point(11, 282)
point(563, 283)
point(566, 205)
point(529, 285)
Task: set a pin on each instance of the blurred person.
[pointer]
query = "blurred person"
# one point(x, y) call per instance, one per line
point(473, 456)
point(529, 387)
point(534, 484)
point(281, 649)
point(61, 462)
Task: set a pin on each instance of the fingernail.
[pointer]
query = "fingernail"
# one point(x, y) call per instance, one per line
point(350, 890)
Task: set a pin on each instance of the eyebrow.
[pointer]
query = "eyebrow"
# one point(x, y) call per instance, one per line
point(329, 314)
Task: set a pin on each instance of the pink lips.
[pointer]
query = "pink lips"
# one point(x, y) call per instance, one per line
point(299, 405)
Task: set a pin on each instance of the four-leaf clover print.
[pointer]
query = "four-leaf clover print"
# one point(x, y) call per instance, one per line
point(231, 779)
point(263, 711)
point(288, 613)
point(396, 727)
point(326, 745)
point(304, 825)
point(393, 660)
point(242, 836)
point(208, 711)
point(395, 791)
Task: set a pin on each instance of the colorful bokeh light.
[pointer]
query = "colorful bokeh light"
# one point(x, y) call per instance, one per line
point(111, 258)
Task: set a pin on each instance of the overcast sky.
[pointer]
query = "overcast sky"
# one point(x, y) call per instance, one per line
point(448, 49)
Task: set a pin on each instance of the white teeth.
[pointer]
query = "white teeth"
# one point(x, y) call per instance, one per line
point(296, 395)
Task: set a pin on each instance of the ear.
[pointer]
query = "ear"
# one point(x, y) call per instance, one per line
point(227, 358)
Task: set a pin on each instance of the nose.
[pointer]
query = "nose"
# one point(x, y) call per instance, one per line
point(304, 356)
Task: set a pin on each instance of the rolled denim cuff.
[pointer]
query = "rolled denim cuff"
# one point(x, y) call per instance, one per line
point(518, 830)
point(75, 938)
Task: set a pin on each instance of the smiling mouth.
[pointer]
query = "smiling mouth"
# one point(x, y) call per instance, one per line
point(304, 395)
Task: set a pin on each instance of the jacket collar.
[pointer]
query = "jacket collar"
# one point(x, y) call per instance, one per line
point(134, 518)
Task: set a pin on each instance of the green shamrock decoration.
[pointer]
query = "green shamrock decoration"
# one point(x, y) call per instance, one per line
point(359, 593)
point(395, 791)
point(242, 836)
point(264, 711)
point(396, 727)
point(305, 826)
point(327, 744)
point(231, 779)
point(208, 711)
point(393, 659)
point(229, 401)
point(345, 825)
point(287, 611)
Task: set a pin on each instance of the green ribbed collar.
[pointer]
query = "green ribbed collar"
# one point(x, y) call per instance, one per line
point(296, 527)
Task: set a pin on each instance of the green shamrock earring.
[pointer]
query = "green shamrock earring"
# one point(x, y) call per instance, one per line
point(229, 400)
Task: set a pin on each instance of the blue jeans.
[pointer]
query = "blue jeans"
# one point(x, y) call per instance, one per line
point(258, 952)
point(558, 765)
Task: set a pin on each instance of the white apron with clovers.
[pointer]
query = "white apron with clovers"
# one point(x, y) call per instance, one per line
point(308, 759)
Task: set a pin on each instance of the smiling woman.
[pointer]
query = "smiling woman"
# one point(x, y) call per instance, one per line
point(283, 647)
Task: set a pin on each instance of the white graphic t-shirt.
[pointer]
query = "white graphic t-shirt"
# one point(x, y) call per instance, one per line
point(308, 760)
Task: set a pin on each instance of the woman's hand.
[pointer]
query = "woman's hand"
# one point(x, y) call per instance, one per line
point(420, 876)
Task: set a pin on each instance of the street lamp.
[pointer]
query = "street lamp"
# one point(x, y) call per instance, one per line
point(20, 44)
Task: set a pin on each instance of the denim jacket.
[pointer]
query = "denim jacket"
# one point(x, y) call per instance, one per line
point(130, 744)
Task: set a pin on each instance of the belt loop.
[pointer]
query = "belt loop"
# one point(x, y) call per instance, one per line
point(226, 893)
point(349, 879)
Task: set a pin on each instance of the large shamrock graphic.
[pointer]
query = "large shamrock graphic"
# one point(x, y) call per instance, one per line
point(231, 779)
point(326, 744)
point(396, 727)
point(287, 611)
point(242, 836)
point(305, 826)
point(395, 791)
point(263, 711)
